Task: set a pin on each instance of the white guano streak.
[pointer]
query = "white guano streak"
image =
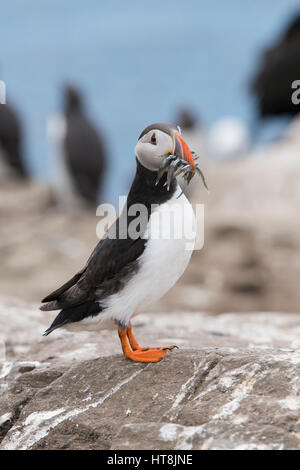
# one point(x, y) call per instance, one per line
point(185, 388)
point(37, 425)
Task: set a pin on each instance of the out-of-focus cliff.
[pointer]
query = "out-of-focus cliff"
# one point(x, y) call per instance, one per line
point(250, 259)
point(251, 254)
point(40, 245)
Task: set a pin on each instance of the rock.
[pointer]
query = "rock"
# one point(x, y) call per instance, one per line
point(212, 398)
point(233, 384)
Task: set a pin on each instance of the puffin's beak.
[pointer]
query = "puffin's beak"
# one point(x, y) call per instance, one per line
point(182, 150)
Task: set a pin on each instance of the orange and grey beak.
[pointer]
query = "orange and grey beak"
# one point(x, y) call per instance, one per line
point(182, 150)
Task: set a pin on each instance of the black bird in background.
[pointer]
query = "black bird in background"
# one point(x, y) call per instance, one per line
point(84, 149)
point(80, 157)
point(11, 158)
point(186, 119)
point(279, 67)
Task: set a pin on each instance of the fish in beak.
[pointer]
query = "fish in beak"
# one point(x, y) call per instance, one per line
point(179, 161)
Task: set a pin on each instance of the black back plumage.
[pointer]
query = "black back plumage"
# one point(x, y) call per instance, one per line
point(84, 149)
point(114, 260)
point(11, 139)
point(279, 67)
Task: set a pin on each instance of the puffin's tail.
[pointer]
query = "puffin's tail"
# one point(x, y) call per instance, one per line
point(54, 327)
point(73, 314)
point(50, 306)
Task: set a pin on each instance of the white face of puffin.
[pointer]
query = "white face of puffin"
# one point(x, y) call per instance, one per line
point(152, 148)
point(158, 140)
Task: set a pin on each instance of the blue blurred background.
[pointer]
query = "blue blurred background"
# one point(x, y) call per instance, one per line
point(136, 62)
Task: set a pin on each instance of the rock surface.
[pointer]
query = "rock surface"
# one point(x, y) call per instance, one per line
point(233, 384)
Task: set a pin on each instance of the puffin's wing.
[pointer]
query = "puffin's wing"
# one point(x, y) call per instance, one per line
point(113, 260)
point(58, 292)
point(108, 269)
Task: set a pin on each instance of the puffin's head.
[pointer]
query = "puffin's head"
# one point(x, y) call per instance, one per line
point(158, 140)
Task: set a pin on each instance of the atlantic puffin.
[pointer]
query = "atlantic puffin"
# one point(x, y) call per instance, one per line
point(80, 153)
point(125, 273)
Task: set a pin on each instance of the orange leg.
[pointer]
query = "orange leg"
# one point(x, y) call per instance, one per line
point(137, 353)
point(132, 341)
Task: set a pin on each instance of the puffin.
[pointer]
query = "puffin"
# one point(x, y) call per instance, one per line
point(135, 264)
point(11, 158)
point(80, 154)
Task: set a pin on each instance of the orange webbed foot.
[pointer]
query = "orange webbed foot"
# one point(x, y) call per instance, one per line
point(157, 348)
point(148, 355)
point(138, 353)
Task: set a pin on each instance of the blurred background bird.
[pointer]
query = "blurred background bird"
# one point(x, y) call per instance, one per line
point(80, 154)
point(11, 144)
point(278, 69)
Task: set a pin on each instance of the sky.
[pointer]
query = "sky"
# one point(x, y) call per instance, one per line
point(136, 62)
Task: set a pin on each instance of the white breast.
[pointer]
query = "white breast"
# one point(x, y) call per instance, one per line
point(172, 232)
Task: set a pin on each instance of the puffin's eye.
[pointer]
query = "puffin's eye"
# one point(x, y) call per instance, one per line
point(153, 139)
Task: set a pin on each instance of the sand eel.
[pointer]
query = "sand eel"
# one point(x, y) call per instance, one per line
point(80, 159)
point(11, 159)
point(127, 270)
